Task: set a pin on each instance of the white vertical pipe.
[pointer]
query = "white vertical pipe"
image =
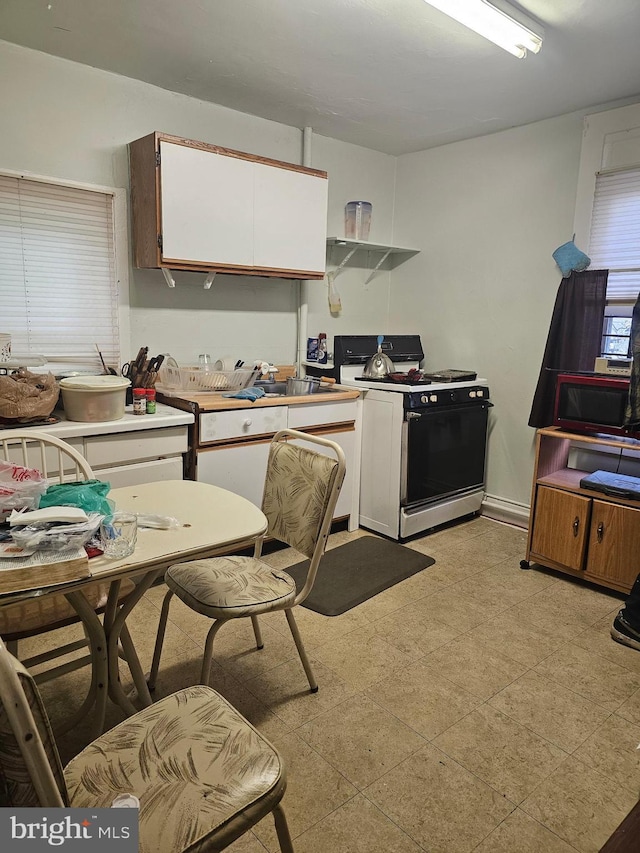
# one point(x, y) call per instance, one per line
point(303, 294)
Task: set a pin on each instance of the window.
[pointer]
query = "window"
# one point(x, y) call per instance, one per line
point(616, 332)
point(615, 244)
point(58, 284)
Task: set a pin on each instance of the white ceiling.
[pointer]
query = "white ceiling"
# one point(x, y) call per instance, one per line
point(392, 75)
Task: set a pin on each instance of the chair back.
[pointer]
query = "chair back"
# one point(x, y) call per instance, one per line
point(56, 459)
point(30, 769)
point(300, 494)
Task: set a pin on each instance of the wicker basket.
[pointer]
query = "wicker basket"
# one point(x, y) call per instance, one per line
point(174, 381)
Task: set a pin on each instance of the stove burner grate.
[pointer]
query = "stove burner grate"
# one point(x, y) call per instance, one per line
point(390, 380)
point(452, 376)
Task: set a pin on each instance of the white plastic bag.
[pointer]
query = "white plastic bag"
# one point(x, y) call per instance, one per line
point(20, 488)
point(51, 536)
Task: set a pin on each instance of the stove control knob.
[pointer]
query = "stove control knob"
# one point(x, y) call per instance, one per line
point(479, 393)
point(424, 399)
point(434, 398)
point(472, 393)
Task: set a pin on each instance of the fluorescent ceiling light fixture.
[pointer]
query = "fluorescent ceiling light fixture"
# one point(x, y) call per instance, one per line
point(492, 23)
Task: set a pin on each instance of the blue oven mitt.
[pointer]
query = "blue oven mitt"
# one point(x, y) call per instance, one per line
point(570, 258)
point(252, 394)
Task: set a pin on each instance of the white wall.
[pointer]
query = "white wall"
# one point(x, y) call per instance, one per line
point(487, 214)
point(365, 308)
point(68, 121)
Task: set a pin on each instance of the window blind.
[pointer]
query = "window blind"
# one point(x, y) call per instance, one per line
point(615, 232)
point(58, 291)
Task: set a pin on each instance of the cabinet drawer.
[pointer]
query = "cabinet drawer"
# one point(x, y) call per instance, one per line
point(240, 423)
point(103, 450)
point(143, 472)
point(318, 414)
point(560, 527)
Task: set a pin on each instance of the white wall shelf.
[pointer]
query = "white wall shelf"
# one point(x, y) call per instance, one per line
point(381, 249)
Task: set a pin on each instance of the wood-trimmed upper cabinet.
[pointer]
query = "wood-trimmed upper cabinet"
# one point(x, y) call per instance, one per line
point(200, 207)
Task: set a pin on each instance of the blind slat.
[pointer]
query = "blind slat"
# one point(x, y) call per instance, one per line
point(57, 269)
point(615, 232)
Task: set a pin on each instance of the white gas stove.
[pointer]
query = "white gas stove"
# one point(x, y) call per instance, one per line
point(423, 444)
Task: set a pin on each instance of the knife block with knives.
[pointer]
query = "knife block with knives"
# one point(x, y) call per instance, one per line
point(142, 372)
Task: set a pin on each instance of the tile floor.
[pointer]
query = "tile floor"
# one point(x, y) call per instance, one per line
point(472, 707)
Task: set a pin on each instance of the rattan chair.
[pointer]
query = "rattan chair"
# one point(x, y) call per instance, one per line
point(59, 462)
point(204, 776)
point(300, 494)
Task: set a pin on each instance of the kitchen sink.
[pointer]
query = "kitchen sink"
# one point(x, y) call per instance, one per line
point(280, 389)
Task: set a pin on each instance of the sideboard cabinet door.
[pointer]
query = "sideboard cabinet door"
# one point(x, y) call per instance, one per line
point(562, 526)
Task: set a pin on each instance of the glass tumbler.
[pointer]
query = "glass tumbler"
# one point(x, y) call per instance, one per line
point(357, 220)
point(118, 534)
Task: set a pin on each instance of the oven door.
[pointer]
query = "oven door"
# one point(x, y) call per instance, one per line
point(443, 451)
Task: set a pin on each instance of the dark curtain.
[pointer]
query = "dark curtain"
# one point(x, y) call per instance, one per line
point(632, 415)
point(574, 339)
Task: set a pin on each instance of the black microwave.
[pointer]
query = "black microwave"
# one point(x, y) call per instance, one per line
point(592, 403)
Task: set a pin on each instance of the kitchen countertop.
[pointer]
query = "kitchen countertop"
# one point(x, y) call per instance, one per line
point(213, 402)
point(165, 416)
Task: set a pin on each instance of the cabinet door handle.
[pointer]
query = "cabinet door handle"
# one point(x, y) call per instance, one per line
point(576, 525)
point(600, 531)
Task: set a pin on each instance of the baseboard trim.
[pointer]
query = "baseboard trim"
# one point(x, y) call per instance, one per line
point(502, 509)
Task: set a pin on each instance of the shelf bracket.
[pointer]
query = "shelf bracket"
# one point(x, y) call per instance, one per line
point(209, 280)
point(166, 272)
point(377, 266)
point(345, 261)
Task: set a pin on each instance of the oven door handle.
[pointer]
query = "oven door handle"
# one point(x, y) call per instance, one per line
point(448, 407)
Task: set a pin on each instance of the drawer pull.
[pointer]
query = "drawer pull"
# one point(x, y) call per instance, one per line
point(247, 422)
point(576, 525)
point(600, 532)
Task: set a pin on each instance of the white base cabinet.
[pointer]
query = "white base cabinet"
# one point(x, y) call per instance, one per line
point(131, 450)
point(237, 453)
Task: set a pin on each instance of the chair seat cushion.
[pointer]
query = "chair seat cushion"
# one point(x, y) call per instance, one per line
point(44, 613)
point(193, 762)
point(230, 587)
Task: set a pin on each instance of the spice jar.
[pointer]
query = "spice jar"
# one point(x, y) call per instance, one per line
point(151, 401)
point(139, 401)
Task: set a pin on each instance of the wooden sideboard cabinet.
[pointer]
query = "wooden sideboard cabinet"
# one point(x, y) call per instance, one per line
point(579, 531)
point(200, 207)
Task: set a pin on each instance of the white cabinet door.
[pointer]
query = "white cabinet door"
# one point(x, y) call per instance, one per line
point(290, 219)
point(241, 469)
point(207, 206)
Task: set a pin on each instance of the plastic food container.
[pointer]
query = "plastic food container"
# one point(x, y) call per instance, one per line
point(357, 221)
point(94, 398)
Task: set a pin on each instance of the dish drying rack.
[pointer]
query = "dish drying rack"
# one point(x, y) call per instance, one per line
point(174, 381)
